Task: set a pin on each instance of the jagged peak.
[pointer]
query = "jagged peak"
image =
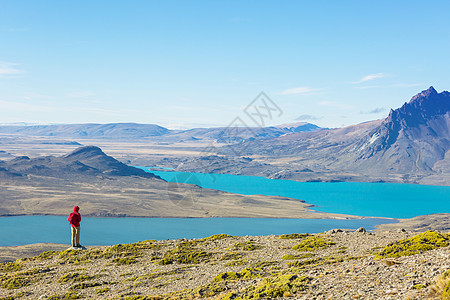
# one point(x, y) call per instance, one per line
point(424, 94)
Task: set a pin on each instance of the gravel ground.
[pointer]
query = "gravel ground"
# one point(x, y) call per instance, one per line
point(345, 269)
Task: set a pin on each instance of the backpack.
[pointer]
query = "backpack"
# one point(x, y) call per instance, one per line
point(70, 219)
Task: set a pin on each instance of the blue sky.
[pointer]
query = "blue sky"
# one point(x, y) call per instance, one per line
point(184, 64)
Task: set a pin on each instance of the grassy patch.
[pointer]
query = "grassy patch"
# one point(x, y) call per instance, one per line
point(44, 256)
point(441, 288)
point(85, 285)
point(246, 246)
point(417, 244)
point(313, 243)
point(67, 296)
point(300, 256)
point(273, 287)
point(232, 255)
point(11, 267)
point(102, 291)
point(75, 277)
point(239, 262)
point(125, 260)
point(185, 253)
point(247, 273)
point(215, 237)
point(130, 251)
point(293, 236)
point(14, 282)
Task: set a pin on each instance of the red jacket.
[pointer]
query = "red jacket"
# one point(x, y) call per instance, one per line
point(75, 217)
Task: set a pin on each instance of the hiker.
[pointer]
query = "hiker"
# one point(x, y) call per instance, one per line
point(74, 220)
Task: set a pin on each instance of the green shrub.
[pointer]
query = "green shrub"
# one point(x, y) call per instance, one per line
point(102, 291)
point(247, 246)
point(313, 243)
point(185, 253)
point(423, 242)
point(247, 273)
point(67, 296)
point(84, 285)
point(14, 282)
point(11, 267)
point(292, 257)
point(215, 237)
point(75, 277)
point(294, 236)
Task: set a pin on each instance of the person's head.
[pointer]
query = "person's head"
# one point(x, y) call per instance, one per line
point(76, 208)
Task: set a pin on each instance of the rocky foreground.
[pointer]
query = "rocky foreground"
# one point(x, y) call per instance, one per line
point(333, 265)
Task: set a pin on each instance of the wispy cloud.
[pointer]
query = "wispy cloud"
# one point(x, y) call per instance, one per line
point(303, 90)
point(373, 111)
point(79, 94)
point(8, 69)
point(336, 105)
point(22, 107)
point(306, 117)
point(367, 87)
point(35, 96)
point(406, 85)
point(371, 77)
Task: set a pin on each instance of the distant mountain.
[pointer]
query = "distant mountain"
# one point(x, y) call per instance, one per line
point(122, 131)
point(299, 127)
point(233, 135)
point(84, 161)
point(115, 130)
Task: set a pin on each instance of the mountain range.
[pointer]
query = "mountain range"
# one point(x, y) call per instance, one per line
point(133, 131)
point(410, 145)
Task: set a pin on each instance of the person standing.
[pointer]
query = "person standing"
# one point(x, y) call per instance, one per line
point(74, 220)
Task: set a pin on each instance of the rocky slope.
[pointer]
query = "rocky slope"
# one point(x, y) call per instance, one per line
point(334, 265)
point(412, 138)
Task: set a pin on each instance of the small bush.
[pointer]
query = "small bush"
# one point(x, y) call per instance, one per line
point(216, 237)
point(75, 277)
point(423, 242)
point(185, 253)
point(293, 236)
point(84, 285)
point(247, 273)
point(14, 282)
point(11, 267)
point(102, 291)
point(313, 243)
point(67, 296)
point(247, 246)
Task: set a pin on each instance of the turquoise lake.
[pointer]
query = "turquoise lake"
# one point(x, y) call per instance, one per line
point(389, 200)
point(386, 200)
point(109, 231)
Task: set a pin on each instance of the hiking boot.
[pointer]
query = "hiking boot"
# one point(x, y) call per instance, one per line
point(79, 246)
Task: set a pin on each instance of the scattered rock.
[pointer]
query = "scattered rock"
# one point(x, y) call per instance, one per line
point(361, 229)
point(334, 231)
